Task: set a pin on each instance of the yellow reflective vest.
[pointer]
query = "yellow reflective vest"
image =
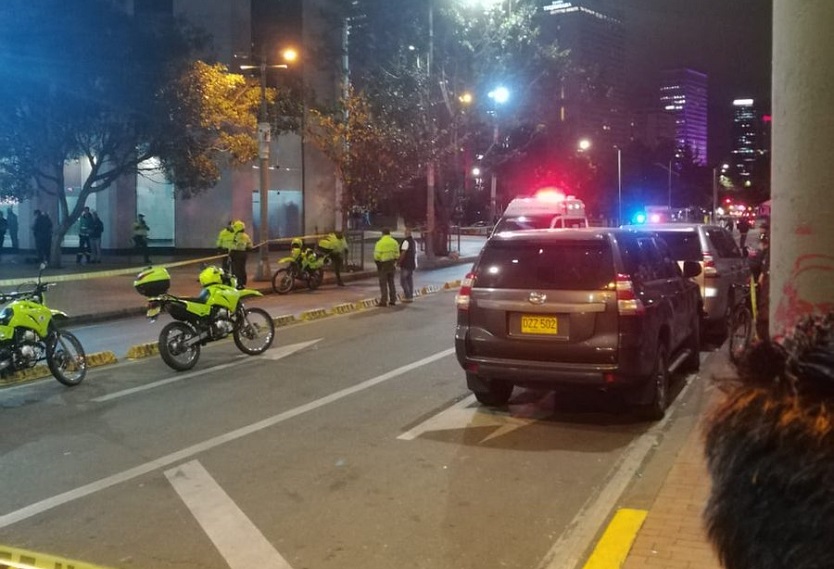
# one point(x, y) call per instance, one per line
point(386, 249)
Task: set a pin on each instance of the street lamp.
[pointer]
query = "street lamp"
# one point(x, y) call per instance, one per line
point(264, 139)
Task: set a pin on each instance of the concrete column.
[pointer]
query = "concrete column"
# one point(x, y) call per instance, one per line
point(802, 172)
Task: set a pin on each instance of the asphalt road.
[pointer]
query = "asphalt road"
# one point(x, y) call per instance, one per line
point(353, 443)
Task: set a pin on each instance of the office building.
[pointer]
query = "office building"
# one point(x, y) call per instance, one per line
point(683, 95)
point(591, 102)
point(746, 133)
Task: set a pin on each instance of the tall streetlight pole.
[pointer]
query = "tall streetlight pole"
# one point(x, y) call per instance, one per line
point(619, 185)
point(263, 272)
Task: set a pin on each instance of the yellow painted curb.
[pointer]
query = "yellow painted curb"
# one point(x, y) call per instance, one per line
point(101, 359)
point(142, 351)
point(314, 314)
point(367, 302)
point(284, 320)
point(15, 557)
point(344, 308)
point(615, 543)
point(29, 374)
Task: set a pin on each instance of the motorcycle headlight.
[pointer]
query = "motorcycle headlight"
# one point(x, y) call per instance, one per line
point(6, 316)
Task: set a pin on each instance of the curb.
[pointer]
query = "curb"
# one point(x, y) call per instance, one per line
point(40, 371)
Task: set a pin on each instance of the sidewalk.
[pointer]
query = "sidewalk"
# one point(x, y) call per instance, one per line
point(673, 535)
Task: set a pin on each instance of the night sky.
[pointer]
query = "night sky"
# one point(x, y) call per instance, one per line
point(729, 40)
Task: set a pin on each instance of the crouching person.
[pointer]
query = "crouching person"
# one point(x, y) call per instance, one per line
point(770, 455)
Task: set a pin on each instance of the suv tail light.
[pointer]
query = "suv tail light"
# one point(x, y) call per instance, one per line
point(462, 297)
point(710, 269)
point(627, 302)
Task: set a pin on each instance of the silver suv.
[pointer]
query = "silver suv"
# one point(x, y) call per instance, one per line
point(722, 264)
point(606, 309)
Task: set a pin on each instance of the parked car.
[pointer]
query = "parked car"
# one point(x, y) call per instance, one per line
point(601, 308)
point(721, 260)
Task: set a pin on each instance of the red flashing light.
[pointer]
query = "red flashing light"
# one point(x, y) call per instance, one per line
point(550, 194)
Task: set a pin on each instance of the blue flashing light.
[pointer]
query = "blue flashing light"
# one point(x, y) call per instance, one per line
point(639, 217)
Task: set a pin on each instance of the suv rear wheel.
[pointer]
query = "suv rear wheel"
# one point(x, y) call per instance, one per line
point(659, 385)
point(496, 394)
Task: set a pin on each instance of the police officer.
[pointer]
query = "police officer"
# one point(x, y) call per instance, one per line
point(225, 242)
point(335, 245)
point(240, 244)
point(386, 254)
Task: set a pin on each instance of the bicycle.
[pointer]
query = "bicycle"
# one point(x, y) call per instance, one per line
point(741, 325)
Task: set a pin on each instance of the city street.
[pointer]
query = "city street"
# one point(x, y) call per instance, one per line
point(353, 442)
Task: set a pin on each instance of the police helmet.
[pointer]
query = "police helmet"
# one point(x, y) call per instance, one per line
point(296, 243)
point(238, 226)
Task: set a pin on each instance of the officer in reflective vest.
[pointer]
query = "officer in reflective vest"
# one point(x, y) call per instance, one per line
point(335, 245)
point(386, 254)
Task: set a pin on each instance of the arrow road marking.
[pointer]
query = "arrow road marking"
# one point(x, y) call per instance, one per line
point(238, 540)
point(272, 354)
point(462, 415)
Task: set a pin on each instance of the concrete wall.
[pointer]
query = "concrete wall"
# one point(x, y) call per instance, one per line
point(802, 223)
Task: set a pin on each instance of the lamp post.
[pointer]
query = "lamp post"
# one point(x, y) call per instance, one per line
point(263, 272)
point(619, 186)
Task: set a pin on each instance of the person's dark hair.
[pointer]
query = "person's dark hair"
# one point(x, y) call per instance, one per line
point(770, 454)
point(386, 231)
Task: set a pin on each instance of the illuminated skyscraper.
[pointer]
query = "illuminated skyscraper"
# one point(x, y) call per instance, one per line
point(746, 143)
point(683, 94)
point(592, 102)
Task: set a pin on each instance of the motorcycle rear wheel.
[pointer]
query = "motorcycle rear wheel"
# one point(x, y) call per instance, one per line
point(255, 332)
point(283, 281)
point(66, 358)
point(172, 350)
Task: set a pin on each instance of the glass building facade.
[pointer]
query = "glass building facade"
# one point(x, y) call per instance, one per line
point(683, 95)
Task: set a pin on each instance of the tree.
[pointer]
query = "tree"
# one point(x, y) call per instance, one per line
point(91, 83)
point(370, 156)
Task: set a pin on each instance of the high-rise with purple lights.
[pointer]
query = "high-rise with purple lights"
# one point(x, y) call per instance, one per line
point(683, 94)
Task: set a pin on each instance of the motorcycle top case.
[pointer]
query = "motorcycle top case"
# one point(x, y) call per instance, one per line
point(153, 281)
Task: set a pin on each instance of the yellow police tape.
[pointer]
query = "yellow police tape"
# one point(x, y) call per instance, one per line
point(25, 559)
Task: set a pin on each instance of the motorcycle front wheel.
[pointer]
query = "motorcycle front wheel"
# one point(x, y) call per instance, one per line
point(283, 281)
point(66, 358)
point(172, 346)
point(255, 332)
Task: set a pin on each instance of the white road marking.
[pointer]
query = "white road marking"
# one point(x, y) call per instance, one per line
point(238, 540)
point(188, 452)
point(567, 551)
point(462, 415)
point(272, 354)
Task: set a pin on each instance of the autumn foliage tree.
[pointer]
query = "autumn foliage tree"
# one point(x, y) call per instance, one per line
point(91, 83)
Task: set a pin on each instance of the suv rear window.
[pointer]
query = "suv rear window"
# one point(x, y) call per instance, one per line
point(559, 265)
point(684, 245)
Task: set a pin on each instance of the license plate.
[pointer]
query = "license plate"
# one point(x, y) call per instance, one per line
point(534, 324)
point(153, 311)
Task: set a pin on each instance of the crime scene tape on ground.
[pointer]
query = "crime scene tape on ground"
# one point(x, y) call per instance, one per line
point(25, 559)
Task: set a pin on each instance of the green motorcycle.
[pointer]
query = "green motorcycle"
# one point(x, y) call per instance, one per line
point(215, 314)
point(29, 334)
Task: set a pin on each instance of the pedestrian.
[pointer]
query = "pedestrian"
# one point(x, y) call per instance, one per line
point(3, 227)
point(743, 228)
point(386, 253)
point(729, 224)
point(408, 264)
point(85, 226)
point(225, 239)
point(11, 227)
point(770, 455)
point(140, 237)
point(335, 245)
point(42, 230)
point(96, 230)
point(240, 245)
